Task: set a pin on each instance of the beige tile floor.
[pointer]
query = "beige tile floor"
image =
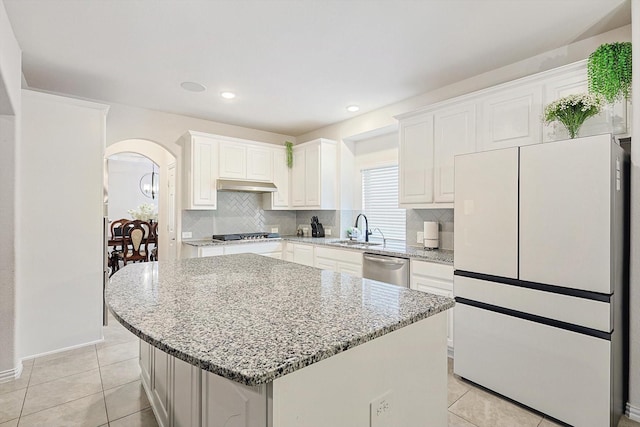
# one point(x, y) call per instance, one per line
point(99, 386)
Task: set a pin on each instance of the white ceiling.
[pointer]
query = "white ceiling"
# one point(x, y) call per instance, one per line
point(295, 65)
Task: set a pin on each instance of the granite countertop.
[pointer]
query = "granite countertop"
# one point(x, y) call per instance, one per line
point(253, 319)
point(392, 248)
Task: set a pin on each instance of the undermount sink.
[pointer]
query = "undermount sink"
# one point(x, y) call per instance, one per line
point(354, 243)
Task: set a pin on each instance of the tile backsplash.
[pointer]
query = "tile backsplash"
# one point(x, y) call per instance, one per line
point(242, 213)
point(237, 213)
point(444, 217)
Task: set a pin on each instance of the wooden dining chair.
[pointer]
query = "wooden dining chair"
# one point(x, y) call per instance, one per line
point(153, 253)
point(117, 243)
point(136, 241)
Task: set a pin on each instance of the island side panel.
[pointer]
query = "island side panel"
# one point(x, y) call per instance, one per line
point(409, 366)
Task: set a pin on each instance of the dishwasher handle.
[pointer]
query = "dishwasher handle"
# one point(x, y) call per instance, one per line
point(384, 260)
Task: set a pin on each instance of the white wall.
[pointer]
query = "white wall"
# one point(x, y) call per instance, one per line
point(10, 105)
point(124, 189)
point(60, 197)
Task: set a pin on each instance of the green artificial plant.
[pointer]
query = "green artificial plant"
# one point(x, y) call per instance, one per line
point(289, 147)
point(609, 71)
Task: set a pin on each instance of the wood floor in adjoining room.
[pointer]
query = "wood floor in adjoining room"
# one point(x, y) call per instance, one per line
point(99, 385)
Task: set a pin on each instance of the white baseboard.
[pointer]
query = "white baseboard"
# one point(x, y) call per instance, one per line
point(11, 374)
point(60, 350)
point(633, 412)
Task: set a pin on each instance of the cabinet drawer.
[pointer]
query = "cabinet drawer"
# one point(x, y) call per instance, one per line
point(253, 248)
point(432, 269)
point(210, 251)
point(352, 257)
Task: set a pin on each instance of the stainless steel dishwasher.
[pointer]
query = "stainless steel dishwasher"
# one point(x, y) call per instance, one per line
point(387, 269)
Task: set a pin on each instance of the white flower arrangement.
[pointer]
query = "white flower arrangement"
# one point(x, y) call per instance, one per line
point(573, 110)
point(144, 212)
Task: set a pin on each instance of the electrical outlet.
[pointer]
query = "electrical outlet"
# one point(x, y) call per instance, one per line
point(381, 411)
point(274, 229)
point(327, 232)
point(187, 234)
point(420, 237)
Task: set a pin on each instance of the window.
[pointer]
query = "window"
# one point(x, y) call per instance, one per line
point(380, 202)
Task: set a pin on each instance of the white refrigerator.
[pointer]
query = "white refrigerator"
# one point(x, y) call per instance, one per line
point(541, 249)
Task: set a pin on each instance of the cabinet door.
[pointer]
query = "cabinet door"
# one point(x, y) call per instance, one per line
point(185, 403)
point(259, 164)
point(298, 177)
point(416, 160)
point(312, 176)
point(210, 251)
point(511, 118)
point(303, 254)
point(204, 177)
point(233, 160)
point(455, 133)
point(326, 264)
point(146, 363)
point(161, 385)
point(486, 212)
point(227, 403)
point(349, 268)
point(280, 179)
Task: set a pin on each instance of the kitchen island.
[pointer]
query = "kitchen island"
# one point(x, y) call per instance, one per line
point(245, 340)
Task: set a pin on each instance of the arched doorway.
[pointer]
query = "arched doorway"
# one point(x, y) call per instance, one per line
point(166, 169)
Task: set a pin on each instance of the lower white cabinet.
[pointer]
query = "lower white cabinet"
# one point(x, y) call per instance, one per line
point(303, 254)
point(436, 279)
point(271, 249)
point(227, 403)
point(339, 260)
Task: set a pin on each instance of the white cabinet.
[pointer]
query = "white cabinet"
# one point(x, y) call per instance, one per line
point(281, 178)
point(303, 254)
point(271, 249)
point(228, 403)
point(200, 164)
point(146, 363)
point(455, 133)
point(339, 260)
point(287, 251)
point(511, 117)
point(436, 279)
point(416, 160)
point(160, 385)
point(210, 251)
point(428, 144)
point(243, 160)
point(314, 175)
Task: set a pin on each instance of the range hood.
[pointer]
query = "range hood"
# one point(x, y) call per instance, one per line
point(246, 186)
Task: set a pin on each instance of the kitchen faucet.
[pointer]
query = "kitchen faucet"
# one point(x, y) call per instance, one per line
point(367, 233)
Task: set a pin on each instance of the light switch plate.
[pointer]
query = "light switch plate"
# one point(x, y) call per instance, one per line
point(327, 232)
point(420, 237)
point(274, 229)
point(187, 234)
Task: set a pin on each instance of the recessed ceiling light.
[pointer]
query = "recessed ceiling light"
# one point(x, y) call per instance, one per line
point(193, 86)
point(227, 95)
point(353, 108)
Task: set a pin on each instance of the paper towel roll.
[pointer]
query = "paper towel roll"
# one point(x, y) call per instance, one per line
point(431, 235)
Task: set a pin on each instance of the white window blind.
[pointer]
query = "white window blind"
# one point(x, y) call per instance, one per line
point(380, 202)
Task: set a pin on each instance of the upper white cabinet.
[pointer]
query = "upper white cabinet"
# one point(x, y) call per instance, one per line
point(200, 163)
point(244, 161)
point(428, 144)
point(314, 175)
point(511, 117)
point(416, 160)
point(455, 133)
point(281, 178)
point(503, 116)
